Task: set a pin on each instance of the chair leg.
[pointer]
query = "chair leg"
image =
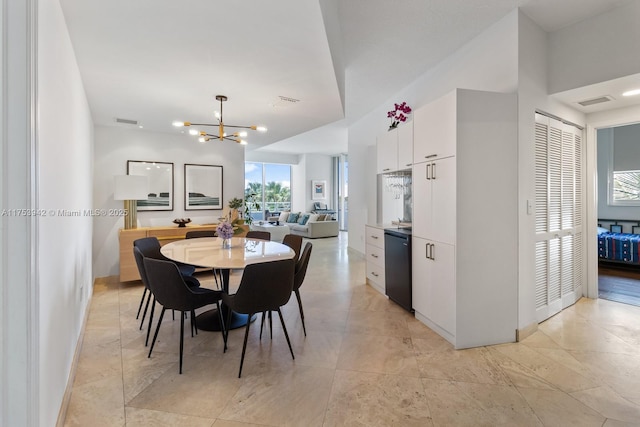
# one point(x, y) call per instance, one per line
point(228, 323)
point(301, 311)
point(153, 308)
point(244, 346)
point(157, 330)
point(144, 314)
point(284, 328)
point(141, 302)
point(181, 338)
point(194, 326)
point(223, 328)
point(264, 314)
point(270, 325)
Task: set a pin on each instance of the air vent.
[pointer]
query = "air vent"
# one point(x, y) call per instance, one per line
point(126, 121)
point(594, 101)
point(288, 99)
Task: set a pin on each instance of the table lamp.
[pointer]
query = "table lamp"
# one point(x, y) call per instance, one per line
point(130, 188)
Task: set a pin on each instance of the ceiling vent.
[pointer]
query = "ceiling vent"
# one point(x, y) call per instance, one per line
point(598, 100)
point(126, 121)
point(288, 99)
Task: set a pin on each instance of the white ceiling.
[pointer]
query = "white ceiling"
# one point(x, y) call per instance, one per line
point(157, 61)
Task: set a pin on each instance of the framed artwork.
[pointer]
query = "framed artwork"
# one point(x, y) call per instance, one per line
point(160, 175)
point(635, 229)
point(318, 190)
point(202, 187)
point(616, 228)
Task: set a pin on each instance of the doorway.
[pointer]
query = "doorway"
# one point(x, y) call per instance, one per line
point(618, 212)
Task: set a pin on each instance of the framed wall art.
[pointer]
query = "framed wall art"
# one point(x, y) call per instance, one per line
point(202, 187)
point(318, 190)
point(160, 175)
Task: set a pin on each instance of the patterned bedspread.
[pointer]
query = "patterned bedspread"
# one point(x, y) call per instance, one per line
point(620, 247)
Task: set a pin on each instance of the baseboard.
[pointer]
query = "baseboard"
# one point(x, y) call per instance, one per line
point(526, 331)
point(64, 406)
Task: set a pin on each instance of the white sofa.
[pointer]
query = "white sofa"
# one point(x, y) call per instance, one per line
point(314, 227)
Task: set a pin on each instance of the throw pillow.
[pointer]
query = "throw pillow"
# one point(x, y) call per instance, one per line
point(283, 216)
point(313, 217)
point(303, 219)
point(321, 217)
point(293, 217)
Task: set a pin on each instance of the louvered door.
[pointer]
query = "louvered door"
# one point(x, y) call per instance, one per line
point(558, 216)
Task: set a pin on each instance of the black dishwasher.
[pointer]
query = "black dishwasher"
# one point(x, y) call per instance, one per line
point(397, 266)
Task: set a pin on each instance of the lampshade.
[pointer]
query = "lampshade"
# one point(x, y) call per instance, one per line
point(131, 187)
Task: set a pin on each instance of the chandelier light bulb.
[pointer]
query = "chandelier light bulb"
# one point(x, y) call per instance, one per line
point(178, 124)
point(194, 132)
point(201, 139)
point(242, 134)
point(261, 128)
point(243, 142)
point(217, 115)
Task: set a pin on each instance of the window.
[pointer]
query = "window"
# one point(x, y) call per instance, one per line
point(271, 184)
point(626, 187)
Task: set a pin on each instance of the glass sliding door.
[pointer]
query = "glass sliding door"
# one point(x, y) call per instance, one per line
point(341, 189)
point(271, 186)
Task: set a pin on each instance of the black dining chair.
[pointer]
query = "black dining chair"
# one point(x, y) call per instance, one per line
point(171, 291)
point(264, 287)
point(299, 274)
point(260, 235)
point(217, 273)
point(200, 233)
point(192, 282)
point(294, 242)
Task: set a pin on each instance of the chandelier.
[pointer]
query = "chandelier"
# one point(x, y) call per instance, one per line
point(222, 135)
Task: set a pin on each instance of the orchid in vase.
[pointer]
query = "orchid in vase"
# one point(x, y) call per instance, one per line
point(225, 232)
point(399, 114)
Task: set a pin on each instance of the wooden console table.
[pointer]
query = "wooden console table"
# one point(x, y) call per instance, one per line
point(128, 267)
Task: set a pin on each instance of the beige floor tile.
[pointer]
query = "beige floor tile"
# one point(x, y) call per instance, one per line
point(618, 371)
point(203, 389)
point(380, 354)
point(539, 340)
point(555, 408)
point(540, 368)
point(465, 404)
point(98, 403)
point(610, 404)
point(294, 397)
point(226, 423)
point(366, 399)
point(145, 417)
point(474, 365)
point(376, 323)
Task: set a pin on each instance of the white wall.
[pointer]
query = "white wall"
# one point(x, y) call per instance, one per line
point(317, 167)
point(597, 49)
point(65, 144)
point(115, 145)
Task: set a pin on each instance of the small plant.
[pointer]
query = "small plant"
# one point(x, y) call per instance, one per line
point(398, 114)
point(235, 203)
point(250, 204)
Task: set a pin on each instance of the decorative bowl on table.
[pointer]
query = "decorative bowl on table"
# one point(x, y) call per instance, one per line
point(182, 221)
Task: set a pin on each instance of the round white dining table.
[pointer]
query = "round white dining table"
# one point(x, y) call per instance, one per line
point(207, 252)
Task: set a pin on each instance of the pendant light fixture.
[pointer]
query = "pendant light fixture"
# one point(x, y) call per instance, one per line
point(221, 135)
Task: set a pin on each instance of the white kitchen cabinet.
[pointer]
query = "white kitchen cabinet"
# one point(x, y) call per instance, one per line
point(465, 217)
point(434, 129)
point(434, 285)
point(375, 257)
point(395, 149)
point(434, 201)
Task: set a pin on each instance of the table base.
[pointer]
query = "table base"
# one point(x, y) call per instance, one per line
point(210, 321)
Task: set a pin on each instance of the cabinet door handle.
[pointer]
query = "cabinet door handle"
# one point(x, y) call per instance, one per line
point(426, 250)
point(374, 237)
point(428, 177)
point(386, 169)
point(408, 164)
point(373, 273)
point(374, 255)
point(430, 156)
point(433, 251)
point(433, 171)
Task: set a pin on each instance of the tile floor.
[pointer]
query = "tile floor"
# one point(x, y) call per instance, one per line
point(365, 362)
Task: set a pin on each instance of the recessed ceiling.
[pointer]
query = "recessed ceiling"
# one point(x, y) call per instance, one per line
point(157, 61)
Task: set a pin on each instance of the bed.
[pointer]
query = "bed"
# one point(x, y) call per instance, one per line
point(618, 247)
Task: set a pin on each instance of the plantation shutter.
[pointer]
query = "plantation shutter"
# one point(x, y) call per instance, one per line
point(559, 254)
